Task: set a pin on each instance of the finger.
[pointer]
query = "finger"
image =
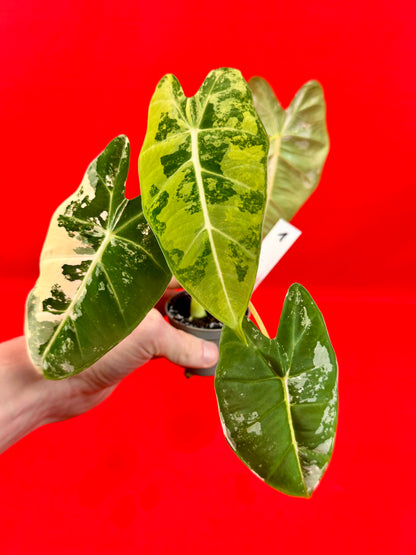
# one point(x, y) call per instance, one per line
point(174, 284)
point(133, 351)
point(184, 349)
point(171, 290)
point(155, 337)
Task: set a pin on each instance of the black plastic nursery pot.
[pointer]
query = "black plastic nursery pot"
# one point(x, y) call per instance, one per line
point(208, 328)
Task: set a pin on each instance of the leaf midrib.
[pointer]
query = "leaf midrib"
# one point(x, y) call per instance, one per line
point(284, 380)
point(95, 261)
point(291, 428)
point(200, 184)
point(207, 221)
point(277, 137)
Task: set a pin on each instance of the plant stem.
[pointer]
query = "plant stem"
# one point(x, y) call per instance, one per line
point(196, 310)
point(258, 320)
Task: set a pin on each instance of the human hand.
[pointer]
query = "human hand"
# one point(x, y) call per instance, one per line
point(154, 337)
point(28, 400)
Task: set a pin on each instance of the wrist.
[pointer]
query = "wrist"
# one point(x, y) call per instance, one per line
point(20, 417)
point(23, 394)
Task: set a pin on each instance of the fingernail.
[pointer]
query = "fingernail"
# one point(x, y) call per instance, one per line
point(210, 354)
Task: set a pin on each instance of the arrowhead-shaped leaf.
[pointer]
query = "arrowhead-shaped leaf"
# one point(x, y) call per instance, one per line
point(298, 147)
point(278, 398)
point(203, 181)
point(101, 271)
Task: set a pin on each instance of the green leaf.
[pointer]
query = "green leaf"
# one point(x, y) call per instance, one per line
point(101, 271)
point(278, 398)
point(298, 147)
point(203, 181)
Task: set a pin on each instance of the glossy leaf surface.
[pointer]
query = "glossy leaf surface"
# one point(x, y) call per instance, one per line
point(278, 398)
point(298, 147)
point(203, 181)
point(101, 271)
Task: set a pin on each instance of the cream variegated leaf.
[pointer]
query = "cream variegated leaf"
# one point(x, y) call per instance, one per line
point(203, 181)
point(101, 271)
point(298, 147)
point(278, 398)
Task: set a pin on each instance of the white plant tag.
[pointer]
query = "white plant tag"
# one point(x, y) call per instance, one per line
point(276, 244)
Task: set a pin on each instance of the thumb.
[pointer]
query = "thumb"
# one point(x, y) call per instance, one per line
point(184, 349)
point(154, 337)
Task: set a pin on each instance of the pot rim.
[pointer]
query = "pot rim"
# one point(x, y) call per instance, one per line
point(188, 325)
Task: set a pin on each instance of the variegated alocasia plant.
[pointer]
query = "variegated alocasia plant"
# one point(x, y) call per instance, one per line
point(203, 181)
point(100, 271)
point(203, 173)
point(278, 398)
point(298, 147)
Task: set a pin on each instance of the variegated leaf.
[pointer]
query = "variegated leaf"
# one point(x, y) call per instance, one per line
point(203, 180)
point(278, 398)
point(298, 147)
point(101, 271)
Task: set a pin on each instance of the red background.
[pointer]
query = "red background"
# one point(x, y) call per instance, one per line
point(149, 471)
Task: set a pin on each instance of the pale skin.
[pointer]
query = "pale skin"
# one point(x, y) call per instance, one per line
point(28, 400)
